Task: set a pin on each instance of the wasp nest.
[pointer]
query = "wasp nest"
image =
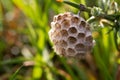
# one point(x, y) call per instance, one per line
point(70, 35)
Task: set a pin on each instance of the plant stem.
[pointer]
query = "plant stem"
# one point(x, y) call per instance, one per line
point(115, 37)
point(108, 17)
point(81, 7)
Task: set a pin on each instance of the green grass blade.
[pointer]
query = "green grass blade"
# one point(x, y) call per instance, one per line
point(15, 74)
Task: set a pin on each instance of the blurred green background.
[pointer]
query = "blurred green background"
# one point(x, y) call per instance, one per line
point(26, 52)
